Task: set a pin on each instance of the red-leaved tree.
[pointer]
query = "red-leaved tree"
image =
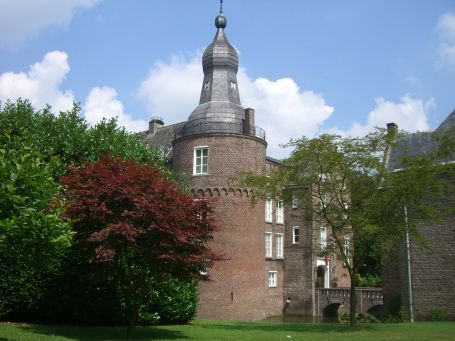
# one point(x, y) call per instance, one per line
point(140, 224)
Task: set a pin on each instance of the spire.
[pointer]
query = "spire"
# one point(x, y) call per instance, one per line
point(219, 104)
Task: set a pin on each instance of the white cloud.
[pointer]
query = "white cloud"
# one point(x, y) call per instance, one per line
point(103, 103)
point(283, 110)
point(41, 84)
point(172, 90)
point(20, 19)
point(410, 115)
point(446, 30)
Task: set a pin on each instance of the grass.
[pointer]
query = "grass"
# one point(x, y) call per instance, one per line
point(231, 330)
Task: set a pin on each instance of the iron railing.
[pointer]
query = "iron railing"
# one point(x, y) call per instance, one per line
point(221, 127)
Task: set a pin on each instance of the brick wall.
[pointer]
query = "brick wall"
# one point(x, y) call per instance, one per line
point(432, 269)
point(238, 286)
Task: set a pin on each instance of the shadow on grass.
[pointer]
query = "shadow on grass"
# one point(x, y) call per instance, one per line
point(290, 327)
point(102, 333)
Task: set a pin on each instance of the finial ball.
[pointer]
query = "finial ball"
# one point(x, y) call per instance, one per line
point(220, 21)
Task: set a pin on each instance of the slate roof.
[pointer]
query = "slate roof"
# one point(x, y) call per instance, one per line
point(163, 138)
point(420, 143)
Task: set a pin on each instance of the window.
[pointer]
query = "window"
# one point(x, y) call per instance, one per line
point(323, 238)
point(268, 210)
point(346, 247)
point(295, 201)
point(204, 271)
point(279, 212)
point(272, 279)
point(295, 235)
point(201, 158)
point(268, 245)
point(279, 245)
point(346, 208)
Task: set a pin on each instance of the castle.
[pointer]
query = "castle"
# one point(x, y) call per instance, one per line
point(272, 264)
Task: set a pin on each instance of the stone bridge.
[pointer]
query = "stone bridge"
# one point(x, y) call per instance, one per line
point(330, 302)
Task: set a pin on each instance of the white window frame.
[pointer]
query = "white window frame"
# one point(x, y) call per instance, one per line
point(323, 236)
point(346, 250)
point(346, 246)
point(202, 158)
point(204, 271)
point(279, 246)
point(294, 235)
point(272, 277)
point(279, 211)
point(268, 245)
point(268, 210)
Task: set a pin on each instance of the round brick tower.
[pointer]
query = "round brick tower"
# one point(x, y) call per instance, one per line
point(218, 140)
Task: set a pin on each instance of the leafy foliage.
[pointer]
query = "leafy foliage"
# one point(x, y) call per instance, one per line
point(34, 239)
point(69, 139)
point(135, 221)
point(171, 300)
point(42, 275)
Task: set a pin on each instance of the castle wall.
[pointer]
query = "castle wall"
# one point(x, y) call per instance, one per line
point(238, 286)
point(298, 267)
point(432, 269)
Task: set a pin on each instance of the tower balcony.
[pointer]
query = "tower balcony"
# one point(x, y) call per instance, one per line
point(221, 127)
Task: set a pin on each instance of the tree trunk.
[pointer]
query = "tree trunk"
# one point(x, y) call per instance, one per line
point(132, 322)
point(353, 303)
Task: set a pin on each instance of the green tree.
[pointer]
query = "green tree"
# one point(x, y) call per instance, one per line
point(44, 146)
point(345, 185)
point(34, 239)
point(69, 139)
point(139, 224)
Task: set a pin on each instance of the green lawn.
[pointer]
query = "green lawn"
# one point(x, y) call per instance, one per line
point(227, 330)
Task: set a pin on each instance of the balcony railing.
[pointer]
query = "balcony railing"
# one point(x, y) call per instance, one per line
point(221, 127)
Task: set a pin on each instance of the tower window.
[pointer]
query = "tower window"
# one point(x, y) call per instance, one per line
point(207, 85)
point(201, 158)
point(234, 85)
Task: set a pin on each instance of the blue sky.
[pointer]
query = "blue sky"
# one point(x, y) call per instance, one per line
point(307, 67)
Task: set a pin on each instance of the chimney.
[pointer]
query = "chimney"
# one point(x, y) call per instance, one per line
point(154, 124)
point(249, 121)
point(392, 131)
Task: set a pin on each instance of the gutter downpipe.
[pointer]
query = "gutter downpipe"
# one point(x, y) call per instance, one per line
point(408, 259)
